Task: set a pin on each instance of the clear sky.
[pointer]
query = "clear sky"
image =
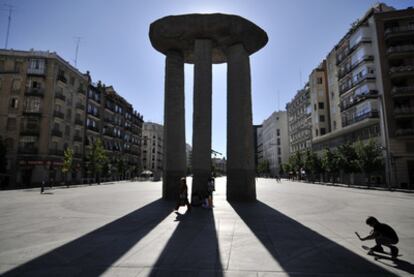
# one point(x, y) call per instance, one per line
point(115, 47)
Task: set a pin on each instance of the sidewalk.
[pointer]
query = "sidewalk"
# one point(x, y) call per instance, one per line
point(294, 229)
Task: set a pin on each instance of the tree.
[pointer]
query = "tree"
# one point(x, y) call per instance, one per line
point(370, 158)
point(312, 165)
point(67, 163)
point(330, 163)
point(348, 158)
point(263, 167)
point(296, 163)
point(97, 158)
point(121, 168)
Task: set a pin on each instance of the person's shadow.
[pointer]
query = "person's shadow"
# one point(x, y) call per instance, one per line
point(398, 262)
point(95, 252)
point(300, 250)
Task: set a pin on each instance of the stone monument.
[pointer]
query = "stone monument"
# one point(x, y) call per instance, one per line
point(204, 40)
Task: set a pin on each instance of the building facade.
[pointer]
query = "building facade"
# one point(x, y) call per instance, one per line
point(153, 148)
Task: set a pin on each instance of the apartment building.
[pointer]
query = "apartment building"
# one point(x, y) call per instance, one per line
point(152, 147)
point(319, 101)
point(299, 113)
point(41, 113)
point(275, 142)
point(258, 144)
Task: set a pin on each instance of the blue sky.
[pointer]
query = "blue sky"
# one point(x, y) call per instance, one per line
point(115, 47)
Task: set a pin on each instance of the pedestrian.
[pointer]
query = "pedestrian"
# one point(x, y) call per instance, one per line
point(183, 195)
point(383, 235)
point(210, 188)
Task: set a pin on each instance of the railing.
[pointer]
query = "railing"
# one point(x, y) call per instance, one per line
point(59, 114)
point(365, 58)
point(398, 90)
point(94, 114)
point(34, 113)
point(358, 99)
point(340, 57)
point(77, 155)
point(78, 122)
point(34, 92)
point(56, 152)
point(400, 69)
point(30, 131)
point(398, 29)
point(404, 110)
point(372, 114)
point(354, 83)
point(400, 48)
point(77, 138)
point(36, 71)
point(60, 96)
point(95, 129)
point(404, 132)
point(56, 133)
point(80, 106)
point(28, 150)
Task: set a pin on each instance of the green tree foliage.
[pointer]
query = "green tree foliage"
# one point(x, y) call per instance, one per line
point(330, 163)
point(96, 159)
point(263, 167)
point(348, 159)
point(312, 165)
point(67, 163)
point(369, 157)
point(296, 163)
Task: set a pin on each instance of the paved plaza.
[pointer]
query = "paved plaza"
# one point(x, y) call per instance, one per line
point(125, 229)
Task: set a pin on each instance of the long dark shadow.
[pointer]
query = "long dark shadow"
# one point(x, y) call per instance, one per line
point(192, 248)
point(93, 253)
point(300, 250)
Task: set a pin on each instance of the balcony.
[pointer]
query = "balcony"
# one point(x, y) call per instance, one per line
point(35, 131)
point(82, 91)
point(358, 118)
point(343, 73)
point(78, 121)
point(80, 106)
point(77, 138)
point(92, 128)
point(36, 71)
point(34, 92)
point(56, 133)
point(404, 132)
point(94, 114)
point(398, 31)
point(28, 150)
point(354, 83)
point(402, 91)
point(56, 152)
point(404, 111)
point(401, 71)
point(109, 121)
point(62, 78)
point(108, 133)
point(342, 56)
point(59, 95)
point(397, 51)
point(32, 113)
point(59, 114)
point(358, 99)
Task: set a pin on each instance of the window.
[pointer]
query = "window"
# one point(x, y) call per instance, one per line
point(321, 118)
point(334, 125)
point(316, 132)
point(32, 104)
point(14, 103)
point(278, 132)
point(67, 131)
point(321, 105)
point(319, 80)
point(279, 152)
point(323, 131)
point(27, 141)
point(278, 141)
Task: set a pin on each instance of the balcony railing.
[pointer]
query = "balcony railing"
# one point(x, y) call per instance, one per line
point(77, 155)
point(344, 72)
point(30, 131)
point(28, 150)
point(372, 114)
point(56, 152)
point(59, 114)
point(340, 57)
point(36, 71)
point(358, 99)
point(400, 49)
point(60, 96)
point(95, 114)
point(56, 133)
point(401, 69)
point(80, 106)
point(95, 129)
point(402, 90)
point(34, 92)
point(404, 110)
point(398, 29)
point(77, 138)
point(32, 113)
point(62, 78)
point(353, 83)
point(404, 132)
point(78, 121)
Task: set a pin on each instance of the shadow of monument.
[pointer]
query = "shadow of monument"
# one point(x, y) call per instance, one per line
point(93, 253)
point(300, 250)
point(193, 248)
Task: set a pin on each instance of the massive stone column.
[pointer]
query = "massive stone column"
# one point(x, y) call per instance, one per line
point(240, 145)
point(174, 125)
point(201, 156)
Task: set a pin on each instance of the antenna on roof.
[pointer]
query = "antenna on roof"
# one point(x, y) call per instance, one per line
point(10, 8)
point(77, 39)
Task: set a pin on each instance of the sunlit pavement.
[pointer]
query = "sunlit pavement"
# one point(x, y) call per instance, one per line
point(124, 229)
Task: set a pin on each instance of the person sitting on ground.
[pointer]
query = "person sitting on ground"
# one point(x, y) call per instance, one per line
point(383, 235)
point(183, 195)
